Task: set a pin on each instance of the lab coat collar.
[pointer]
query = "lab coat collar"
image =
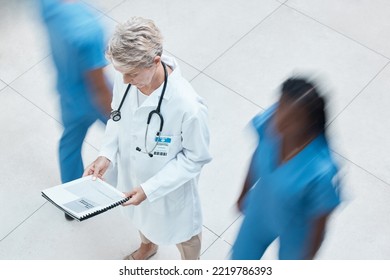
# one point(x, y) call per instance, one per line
point(153, 99)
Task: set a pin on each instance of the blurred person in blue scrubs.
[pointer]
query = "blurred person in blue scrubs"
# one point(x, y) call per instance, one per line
point(77, 43)
point(291, 186)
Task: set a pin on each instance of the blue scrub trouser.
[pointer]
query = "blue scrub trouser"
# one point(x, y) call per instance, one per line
point(71, 163)
point(251, 242)
point(254, 238)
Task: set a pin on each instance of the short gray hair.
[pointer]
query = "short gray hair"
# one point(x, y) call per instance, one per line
point(135, 44)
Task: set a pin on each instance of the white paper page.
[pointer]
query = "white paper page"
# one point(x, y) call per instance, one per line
point(84, 196)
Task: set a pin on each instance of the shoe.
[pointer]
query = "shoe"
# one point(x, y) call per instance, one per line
point(69, 217)
point(150, 254)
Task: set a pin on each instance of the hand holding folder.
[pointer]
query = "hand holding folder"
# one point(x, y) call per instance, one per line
point(84, 198)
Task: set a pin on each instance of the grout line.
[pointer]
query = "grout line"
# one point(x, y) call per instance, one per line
point(3, 89)
point(237, 93)
point(110, 17)
point(189, 64)
point(196, 76)
point(360, 167)
point(215, 241)
point(46, 113)
point(102, 13)
point(220, 236)
point(359, 93)
point(335, 30)
point(212, 231)
point(28, 217)
point(242, 37)
point(212, 243)
point(205, 250)
point(28, 69)
point(25, 98)
point(116, 6)
point(239, 216)
point(235, 43)
point(1, 80)
point(92, 7)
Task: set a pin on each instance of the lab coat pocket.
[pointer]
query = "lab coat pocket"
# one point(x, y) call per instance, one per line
point(171, 203)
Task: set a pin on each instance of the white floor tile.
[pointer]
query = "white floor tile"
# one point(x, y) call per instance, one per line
point(103, 5)
point(219, 250)
point(366, 21)
point(231, 147)
point(47, 235)
point(28, 158)
point(231, 233)
point(38, 85)
point(107, 236)
point(363, 132)
point(108, 25)
point(208, 238)
point(359, 228)
point(289, 43)
point(198, 31)
point(2, 85)
point(187, 70)
point(23, 38)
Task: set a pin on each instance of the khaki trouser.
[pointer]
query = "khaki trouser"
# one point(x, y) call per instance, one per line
point(189, 250)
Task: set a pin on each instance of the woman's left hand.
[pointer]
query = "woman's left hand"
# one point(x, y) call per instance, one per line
point(137, 195)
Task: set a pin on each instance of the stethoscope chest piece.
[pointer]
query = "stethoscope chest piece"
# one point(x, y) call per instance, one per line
point(115, 115)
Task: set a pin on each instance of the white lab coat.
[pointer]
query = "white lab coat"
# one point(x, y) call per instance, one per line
point(171, 214)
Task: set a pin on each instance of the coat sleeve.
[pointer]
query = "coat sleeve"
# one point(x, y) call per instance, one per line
point(188, 163)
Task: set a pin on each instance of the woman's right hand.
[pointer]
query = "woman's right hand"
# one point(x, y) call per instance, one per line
point(97, 168)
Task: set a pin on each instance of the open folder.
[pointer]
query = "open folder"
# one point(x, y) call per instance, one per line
point(84, 198)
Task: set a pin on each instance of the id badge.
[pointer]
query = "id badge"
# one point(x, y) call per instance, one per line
point(162, 148)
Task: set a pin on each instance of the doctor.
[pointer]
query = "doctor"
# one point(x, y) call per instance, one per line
point(158, 137)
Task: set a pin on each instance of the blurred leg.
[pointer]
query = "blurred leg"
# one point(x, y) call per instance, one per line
point(251, 242)
point(71, 163)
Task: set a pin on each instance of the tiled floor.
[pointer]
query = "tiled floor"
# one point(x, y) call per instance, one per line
point(235, 53)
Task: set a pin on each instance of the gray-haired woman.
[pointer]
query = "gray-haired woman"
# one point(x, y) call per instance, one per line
point(158, 137)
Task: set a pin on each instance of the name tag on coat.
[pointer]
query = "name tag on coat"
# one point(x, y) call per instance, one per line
point(162, 148)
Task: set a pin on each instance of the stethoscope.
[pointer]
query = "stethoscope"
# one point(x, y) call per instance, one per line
point(116, 114)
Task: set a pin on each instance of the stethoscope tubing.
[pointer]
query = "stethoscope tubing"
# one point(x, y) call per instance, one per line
point(116, 114)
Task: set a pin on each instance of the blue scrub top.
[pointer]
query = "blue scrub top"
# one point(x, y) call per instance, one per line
point(77, 44)
point(287, 197)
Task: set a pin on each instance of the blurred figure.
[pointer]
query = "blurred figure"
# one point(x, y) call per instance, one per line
point(77, 44)
point(291, 186)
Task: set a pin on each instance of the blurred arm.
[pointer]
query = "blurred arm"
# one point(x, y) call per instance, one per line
point(245, 188)
point(316, 236)
point(102, 93)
